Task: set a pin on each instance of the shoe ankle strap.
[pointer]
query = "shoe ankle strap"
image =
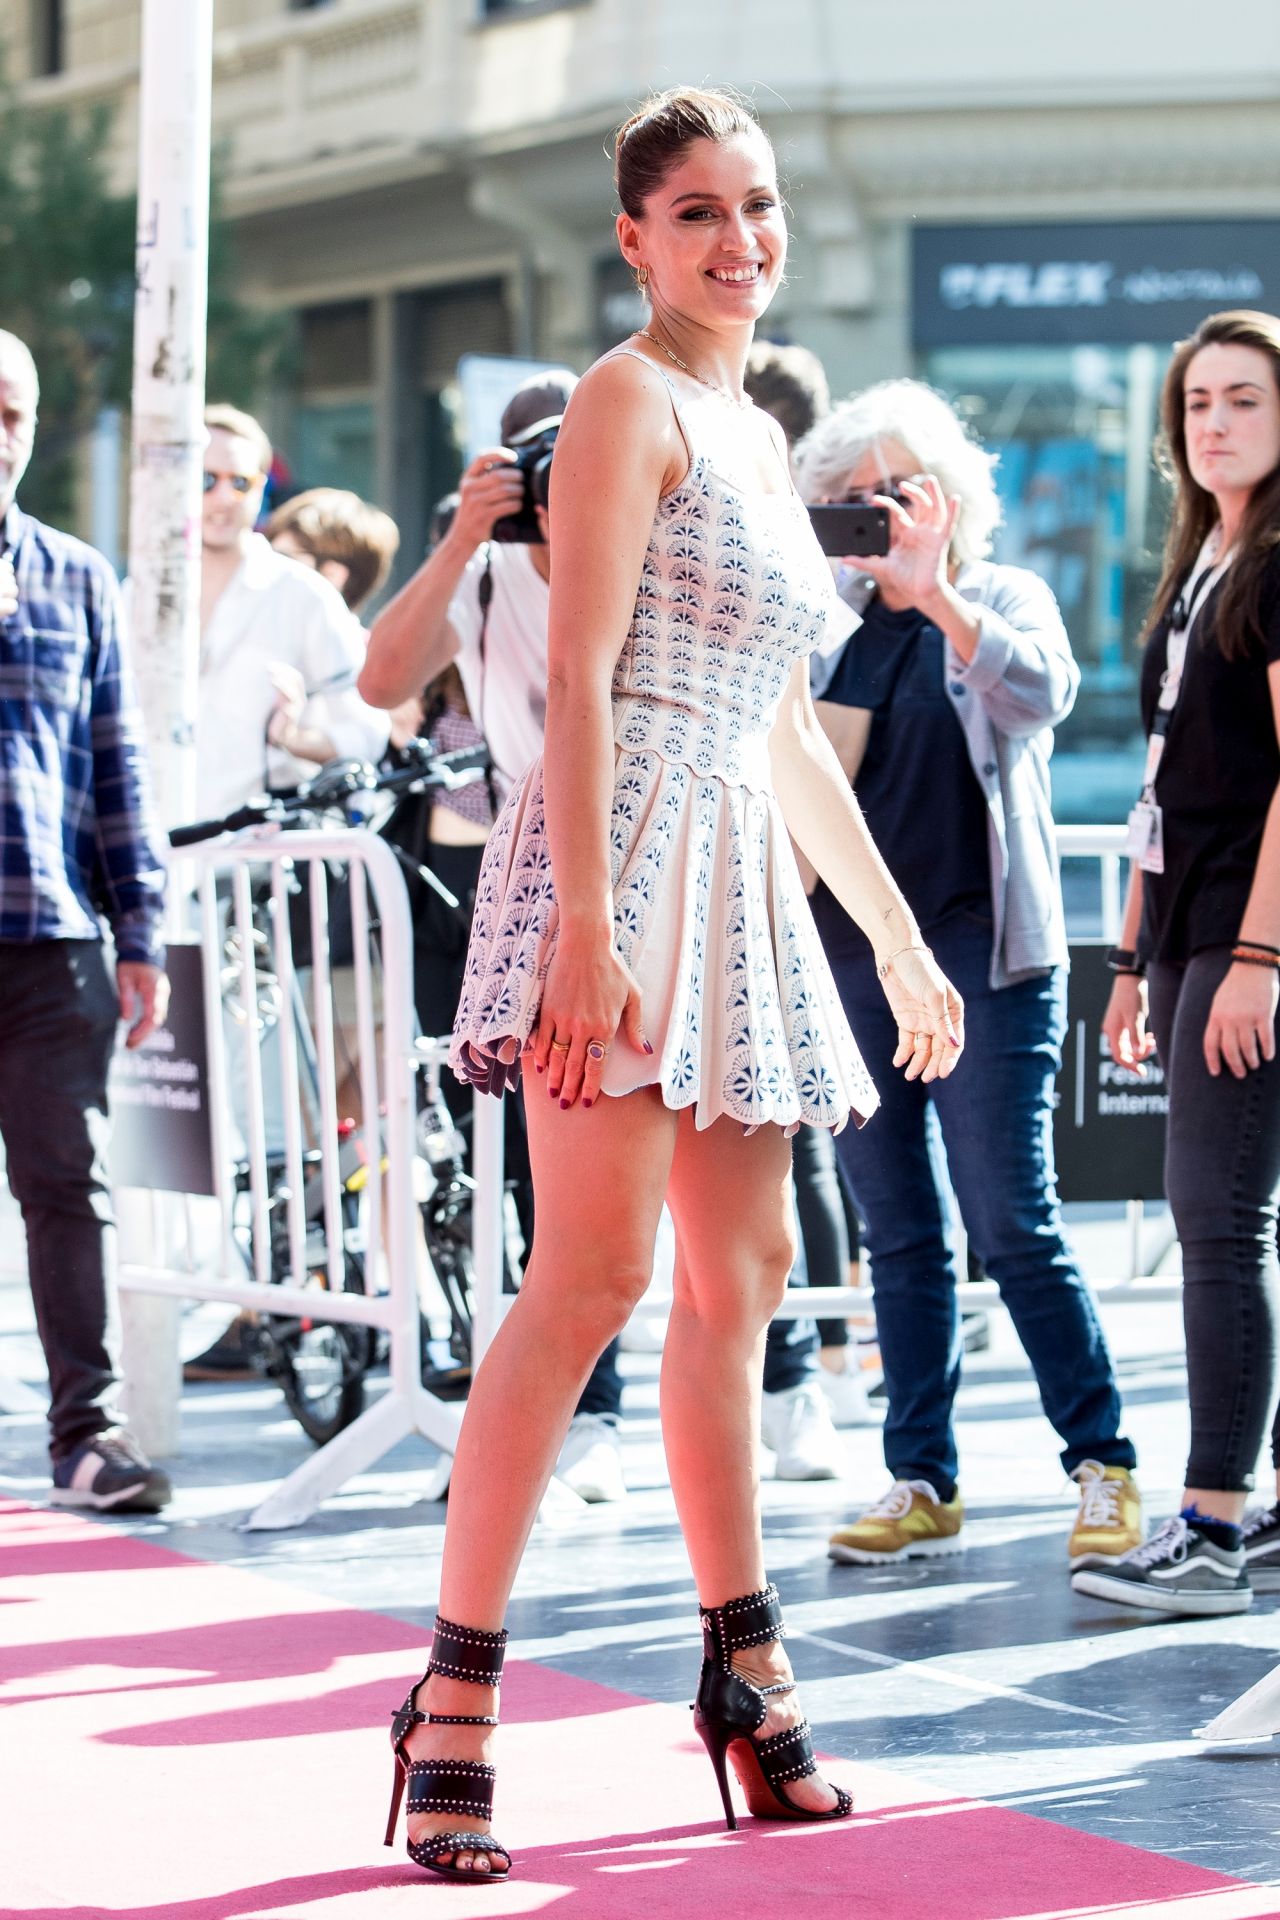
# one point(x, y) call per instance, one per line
point(467, 1653)
point(748, 1622)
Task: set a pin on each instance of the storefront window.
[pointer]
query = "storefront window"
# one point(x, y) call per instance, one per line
point(1053, 340)
point(1084, 509)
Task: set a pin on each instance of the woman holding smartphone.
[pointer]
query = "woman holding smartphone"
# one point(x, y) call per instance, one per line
point(942, 707)
point(643, 956)
point(1196, 971)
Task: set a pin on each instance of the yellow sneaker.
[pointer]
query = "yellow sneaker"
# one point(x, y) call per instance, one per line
point(909, 1523)
point(1110, 1521)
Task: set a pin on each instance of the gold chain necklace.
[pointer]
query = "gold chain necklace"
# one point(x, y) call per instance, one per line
point(735, 400)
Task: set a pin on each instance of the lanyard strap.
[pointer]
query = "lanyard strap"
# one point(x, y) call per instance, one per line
point(1186, 609)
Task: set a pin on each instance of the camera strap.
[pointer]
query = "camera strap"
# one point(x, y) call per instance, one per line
point(484, 595)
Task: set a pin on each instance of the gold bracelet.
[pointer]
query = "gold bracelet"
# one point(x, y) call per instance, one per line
point(915, 946)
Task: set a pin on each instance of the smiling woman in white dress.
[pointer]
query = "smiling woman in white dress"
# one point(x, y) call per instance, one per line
point(643, 955)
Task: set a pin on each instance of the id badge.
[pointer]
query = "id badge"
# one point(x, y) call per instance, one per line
point(1145, 842)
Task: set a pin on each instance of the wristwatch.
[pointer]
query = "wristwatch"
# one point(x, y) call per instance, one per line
point(1124, 960)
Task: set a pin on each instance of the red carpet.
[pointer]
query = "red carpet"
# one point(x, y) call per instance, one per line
point(185, 1741)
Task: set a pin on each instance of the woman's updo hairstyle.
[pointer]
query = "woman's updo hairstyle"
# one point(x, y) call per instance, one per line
point(648, 145)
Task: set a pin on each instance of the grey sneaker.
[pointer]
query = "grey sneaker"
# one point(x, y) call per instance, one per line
point(110, 1472)
point(1178, 1570)
point(1262, 1548)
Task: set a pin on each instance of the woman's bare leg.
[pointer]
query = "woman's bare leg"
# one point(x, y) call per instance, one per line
point(730, 1198)
point(599, 1177)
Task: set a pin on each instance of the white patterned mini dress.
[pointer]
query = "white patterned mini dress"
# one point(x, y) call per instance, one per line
point(709, 912)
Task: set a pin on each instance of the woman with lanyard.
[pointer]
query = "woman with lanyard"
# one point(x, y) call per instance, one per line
point(1196, 972)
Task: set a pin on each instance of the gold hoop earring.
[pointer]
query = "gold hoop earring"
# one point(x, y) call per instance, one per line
point(642, 278)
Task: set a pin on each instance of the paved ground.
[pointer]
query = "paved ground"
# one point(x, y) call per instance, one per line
point(982, 1675)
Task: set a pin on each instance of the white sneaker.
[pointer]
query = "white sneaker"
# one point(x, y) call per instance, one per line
point(796, 1426)
point(847, 1396)
point(591, 1458)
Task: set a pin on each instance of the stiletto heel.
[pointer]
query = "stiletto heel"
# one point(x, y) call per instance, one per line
point(450, 1786)
point(729, 1711)
point(397, 1794)
point(716, 1743)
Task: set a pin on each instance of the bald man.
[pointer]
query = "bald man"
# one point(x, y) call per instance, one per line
point(76, 848)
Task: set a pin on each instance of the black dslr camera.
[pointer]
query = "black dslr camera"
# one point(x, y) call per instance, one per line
point(533, 450)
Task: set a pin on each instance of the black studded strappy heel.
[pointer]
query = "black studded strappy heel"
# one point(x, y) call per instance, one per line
point(729, 1711)
point(450, 1786)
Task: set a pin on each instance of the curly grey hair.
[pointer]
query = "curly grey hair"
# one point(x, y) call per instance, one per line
point(936, 438)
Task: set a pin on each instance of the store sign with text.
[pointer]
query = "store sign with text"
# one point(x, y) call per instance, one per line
point(1096, 284)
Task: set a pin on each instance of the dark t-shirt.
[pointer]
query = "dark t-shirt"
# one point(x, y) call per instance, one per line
point(916, 785)
point(1220, 768)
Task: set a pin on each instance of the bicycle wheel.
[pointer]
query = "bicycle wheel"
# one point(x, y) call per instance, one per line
point(320, 1367)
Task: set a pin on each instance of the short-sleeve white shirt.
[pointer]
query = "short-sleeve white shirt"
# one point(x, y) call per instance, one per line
point(506, 689)
point(272, 610)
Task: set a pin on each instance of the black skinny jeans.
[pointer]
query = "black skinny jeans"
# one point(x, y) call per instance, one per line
point(1222, 1177)
point(58, 1013)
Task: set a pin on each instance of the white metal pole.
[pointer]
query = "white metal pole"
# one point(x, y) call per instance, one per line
point(164, 522)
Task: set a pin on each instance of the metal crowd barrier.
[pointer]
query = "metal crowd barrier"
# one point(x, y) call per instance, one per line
point(390, 1215)
point(390, 1211)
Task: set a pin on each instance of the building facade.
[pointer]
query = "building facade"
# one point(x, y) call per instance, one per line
point(1023, 205)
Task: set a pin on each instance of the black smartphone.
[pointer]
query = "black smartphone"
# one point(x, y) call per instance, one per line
point(845, 529)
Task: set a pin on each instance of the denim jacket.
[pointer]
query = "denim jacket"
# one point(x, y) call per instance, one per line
point(1021, 681)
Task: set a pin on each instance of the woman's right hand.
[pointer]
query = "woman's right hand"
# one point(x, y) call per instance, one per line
point(929, 1013)
point(588, 998)
point(1125, 1024)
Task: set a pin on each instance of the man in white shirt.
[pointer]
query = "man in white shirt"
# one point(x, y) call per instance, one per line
point(279, 657)
point(279, 651)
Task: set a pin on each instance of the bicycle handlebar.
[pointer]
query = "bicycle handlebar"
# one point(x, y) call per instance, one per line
point(338, 783)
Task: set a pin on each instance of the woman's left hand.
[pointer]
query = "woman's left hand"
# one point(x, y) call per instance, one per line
point(920, 530)
point(929, 1013)
point(1241, 1032)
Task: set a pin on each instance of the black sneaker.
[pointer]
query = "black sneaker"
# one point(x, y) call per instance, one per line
point(1178, 1570)
point(1262, 1548)
point(231, 1357)
point(110, 1472)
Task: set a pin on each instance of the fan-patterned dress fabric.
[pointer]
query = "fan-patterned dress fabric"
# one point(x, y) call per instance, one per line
point(709, 912)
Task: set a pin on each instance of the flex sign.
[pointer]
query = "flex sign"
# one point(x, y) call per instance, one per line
point(1093, 284)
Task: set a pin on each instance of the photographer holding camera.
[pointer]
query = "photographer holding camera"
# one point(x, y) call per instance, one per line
point(941, 707)
point(481, 601)
point(481, 597)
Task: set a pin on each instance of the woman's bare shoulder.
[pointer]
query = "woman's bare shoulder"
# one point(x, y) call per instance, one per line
point(629, 381)
point(623, 401)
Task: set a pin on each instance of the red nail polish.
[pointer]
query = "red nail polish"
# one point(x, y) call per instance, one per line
point(588, 1103)
point(647, 1047)
point(564, 1104)
point(541, 1069)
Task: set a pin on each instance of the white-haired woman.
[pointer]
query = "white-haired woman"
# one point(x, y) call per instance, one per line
point(942, 708)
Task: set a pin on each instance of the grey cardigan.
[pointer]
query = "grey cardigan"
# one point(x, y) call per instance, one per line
point(1021, 681)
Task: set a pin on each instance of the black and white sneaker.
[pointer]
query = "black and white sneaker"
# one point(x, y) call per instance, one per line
point(110, 1473)
point(1178, 1570)
point(1262, 1548)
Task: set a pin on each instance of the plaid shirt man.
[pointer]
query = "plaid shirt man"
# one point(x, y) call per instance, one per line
point(76, 834)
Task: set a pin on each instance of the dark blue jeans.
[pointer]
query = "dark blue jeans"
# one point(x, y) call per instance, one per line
point(1222, 1175)
point(989, 1125)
